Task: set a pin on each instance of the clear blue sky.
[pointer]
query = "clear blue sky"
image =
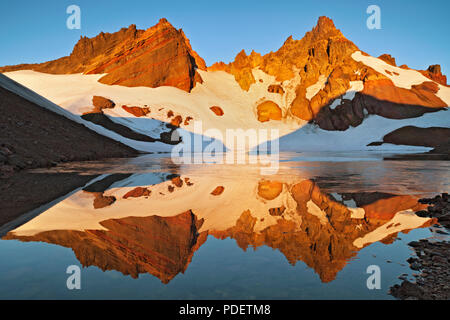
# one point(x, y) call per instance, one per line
point(415, 32)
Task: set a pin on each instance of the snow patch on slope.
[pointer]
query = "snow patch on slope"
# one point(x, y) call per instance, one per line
point(405, 78)
point(403, 220)
point(312, 90)
point(316, 211)
point(444, 94)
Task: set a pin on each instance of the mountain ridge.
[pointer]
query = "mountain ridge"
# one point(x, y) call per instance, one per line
point(321, 80)
point(111, 53)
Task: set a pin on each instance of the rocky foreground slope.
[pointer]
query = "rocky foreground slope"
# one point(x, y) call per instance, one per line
point(321, 92)
point(32, 137)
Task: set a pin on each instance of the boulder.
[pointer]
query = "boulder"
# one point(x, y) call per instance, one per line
point(137, 111)
point(218, 191)
point(137, 192)
point(217, 110)
point(101, 103)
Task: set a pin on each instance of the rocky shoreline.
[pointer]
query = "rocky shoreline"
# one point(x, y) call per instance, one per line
point(432, 261)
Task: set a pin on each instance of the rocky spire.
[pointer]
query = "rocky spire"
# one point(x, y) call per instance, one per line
point(325, 29)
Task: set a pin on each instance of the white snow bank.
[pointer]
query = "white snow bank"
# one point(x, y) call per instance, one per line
point(405, 78)
point(403, 220)
point(373, 128)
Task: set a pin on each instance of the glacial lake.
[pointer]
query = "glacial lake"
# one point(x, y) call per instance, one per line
point(146, 228)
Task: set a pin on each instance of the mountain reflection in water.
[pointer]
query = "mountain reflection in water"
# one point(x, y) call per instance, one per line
point(154, 222)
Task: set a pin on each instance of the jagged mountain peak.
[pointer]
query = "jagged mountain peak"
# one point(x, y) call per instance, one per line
point(325, 28)
point(158, 56)
point(86, 48)
point(324, 45)
point(321, 79)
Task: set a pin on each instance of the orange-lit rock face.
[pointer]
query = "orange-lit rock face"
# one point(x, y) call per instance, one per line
point(137, 111)
point(434, 137)
point(325, 52)
point(419, 95)
point(294, 53)
point(137, 192)
point(217, 110)
point(268, 110)
point(176, 121)
point(275, 88)
point(269, 190)
point(101, 103)
point(241, 68)
point(158, 56)
point(388, 59)
point(160, 246)
point(218, 191)
point(177, 182)
point(434, 73)
point(385, 209)
point(335, 212)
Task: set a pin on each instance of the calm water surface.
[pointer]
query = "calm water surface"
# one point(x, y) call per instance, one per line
point(146, 228)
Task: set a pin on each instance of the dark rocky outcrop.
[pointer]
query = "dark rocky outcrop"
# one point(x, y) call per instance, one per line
point(433, 137)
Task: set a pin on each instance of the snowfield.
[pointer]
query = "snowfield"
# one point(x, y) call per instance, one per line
point(74, 93)
point(40, 100)
point(71, 96)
